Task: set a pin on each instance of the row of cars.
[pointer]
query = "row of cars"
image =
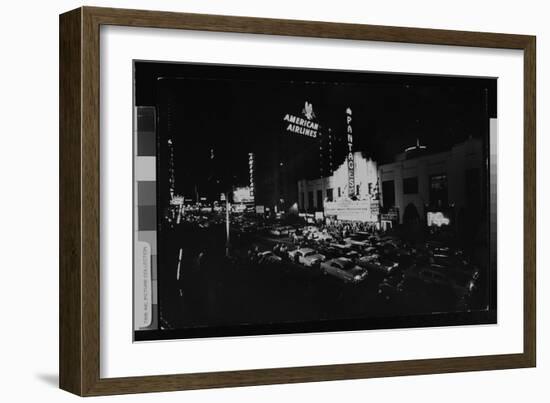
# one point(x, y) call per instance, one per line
point(447, 267)
point(395, 265)
point(350, 259)
point(299, 234)
point(341, 267)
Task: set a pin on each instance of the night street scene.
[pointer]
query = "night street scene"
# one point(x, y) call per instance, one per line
point(303, 200)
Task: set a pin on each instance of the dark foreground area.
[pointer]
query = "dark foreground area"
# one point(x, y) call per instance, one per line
point(263, 285)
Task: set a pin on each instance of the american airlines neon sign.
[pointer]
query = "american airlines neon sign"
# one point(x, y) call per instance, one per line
point(305, 127)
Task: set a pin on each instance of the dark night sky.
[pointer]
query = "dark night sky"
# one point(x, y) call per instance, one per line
point(236, 110)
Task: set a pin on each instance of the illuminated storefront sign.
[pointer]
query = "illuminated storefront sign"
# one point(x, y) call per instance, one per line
point(299, 125)
point(260, 210)
point(176, 200)
point(251, 166)
point(391, 215)
point(242, 195)
point(350, 159)
point(437, 219)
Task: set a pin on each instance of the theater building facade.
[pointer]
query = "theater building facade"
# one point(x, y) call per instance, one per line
point(419, 186)
point(333, 196)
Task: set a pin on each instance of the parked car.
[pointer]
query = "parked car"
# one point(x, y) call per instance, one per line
point(353, 255)
point(297, 236)
point(391, 286)
point(322, 236)
point(369, 258)
point(317, 235)
point(328, 251)
point(394, 250)
point(437, 247)
point(344, 269)
point(342, 247)
point(371, 250)
point(445, 261)
point(279, 231)
point(359, 240)
point(306, 256)
point(461, 283)
point(381, 265)
point(268, 257)
point(432, 276)
point(310, 228)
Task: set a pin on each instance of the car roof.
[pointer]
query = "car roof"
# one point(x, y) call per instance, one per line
point(340, 245)
point(343, 259)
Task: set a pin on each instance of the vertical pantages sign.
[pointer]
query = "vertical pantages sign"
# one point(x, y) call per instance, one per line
point(350, 159)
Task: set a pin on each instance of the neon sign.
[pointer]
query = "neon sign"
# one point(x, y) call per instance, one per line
point(437, 219)
point(305, 127)
point(350, 159)
point(251, 174)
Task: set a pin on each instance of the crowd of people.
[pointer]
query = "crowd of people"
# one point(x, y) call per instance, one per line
point(342, 229)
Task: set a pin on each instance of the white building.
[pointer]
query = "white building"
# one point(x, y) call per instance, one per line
point(313, 195)
point(416, 183)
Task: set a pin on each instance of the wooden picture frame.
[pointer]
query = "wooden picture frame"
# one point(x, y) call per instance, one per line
point(79, 201)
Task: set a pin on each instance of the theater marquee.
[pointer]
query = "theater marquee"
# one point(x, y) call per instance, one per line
point(351, 210)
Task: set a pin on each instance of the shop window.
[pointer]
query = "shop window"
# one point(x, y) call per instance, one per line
point(439, 195)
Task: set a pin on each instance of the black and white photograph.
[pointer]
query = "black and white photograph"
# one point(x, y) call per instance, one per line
point(274, 200)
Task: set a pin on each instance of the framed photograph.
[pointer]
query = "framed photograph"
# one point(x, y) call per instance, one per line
point(250, 201)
